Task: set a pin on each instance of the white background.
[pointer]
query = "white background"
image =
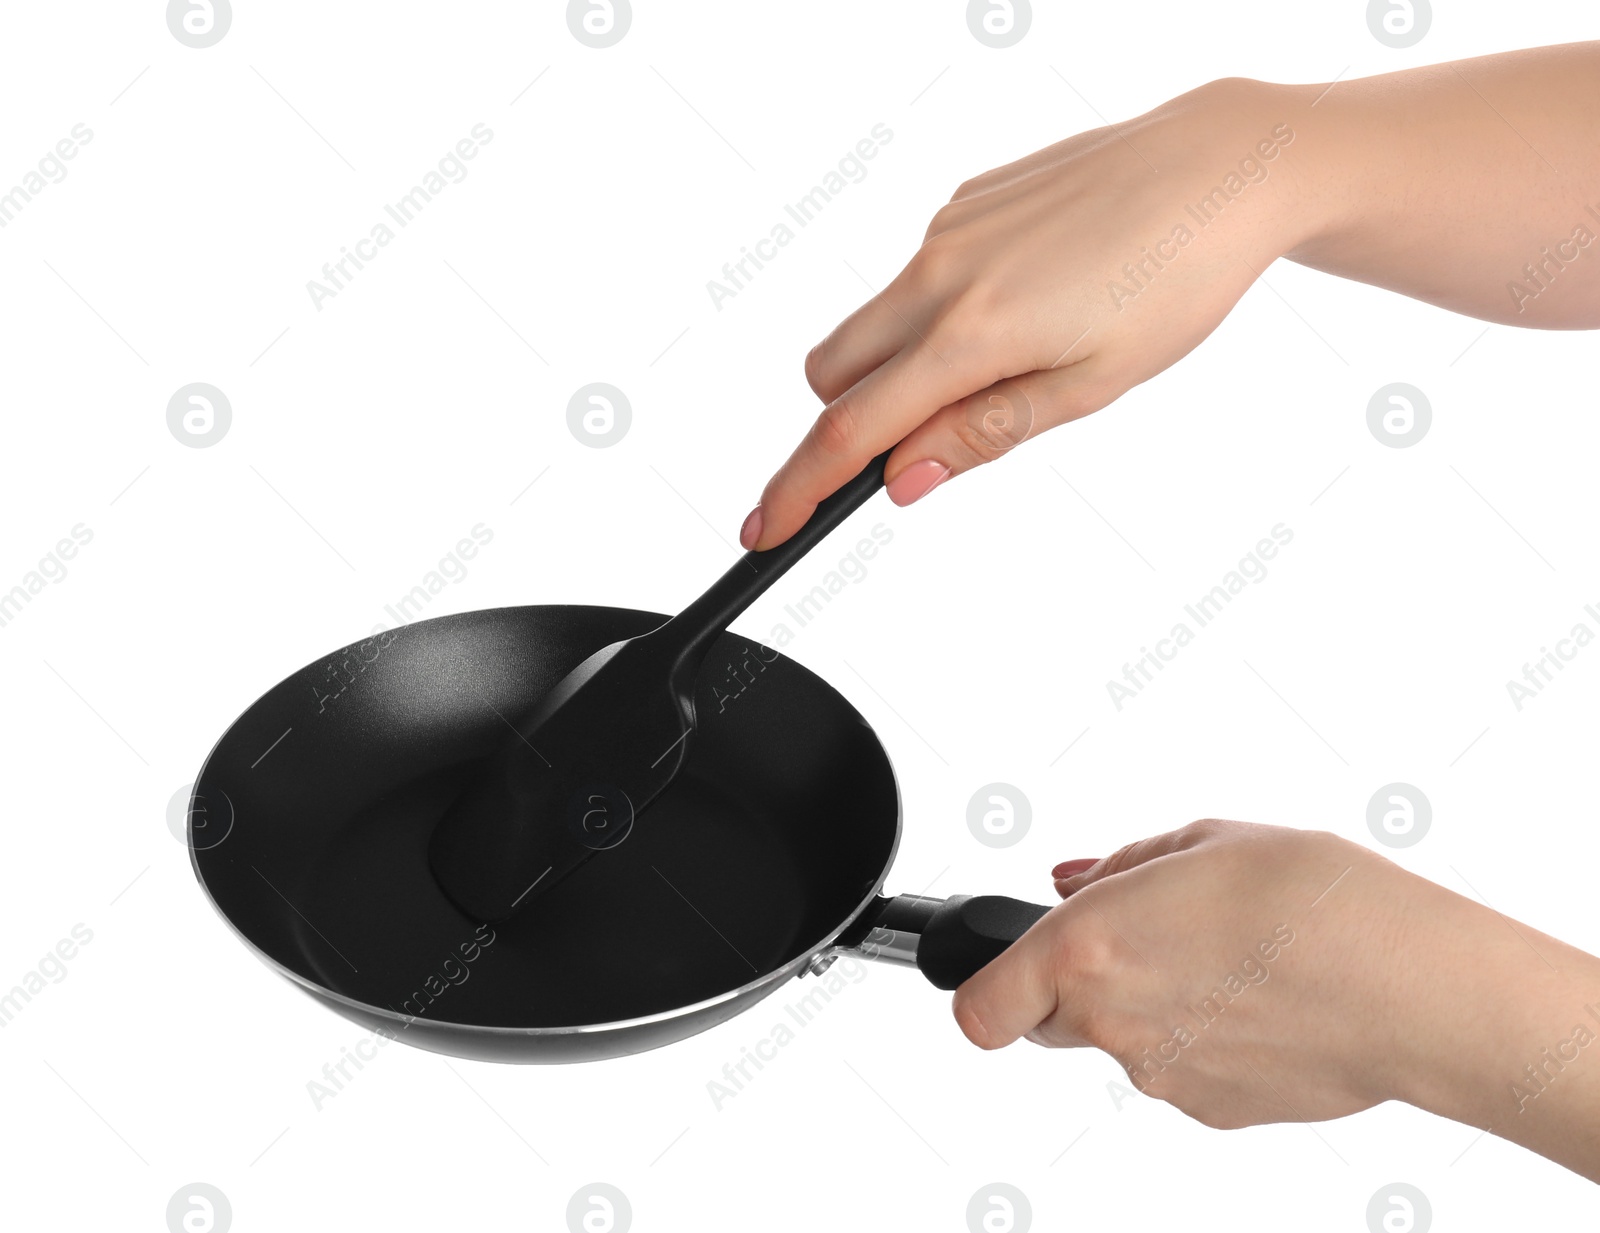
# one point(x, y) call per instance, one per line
point(408, 409)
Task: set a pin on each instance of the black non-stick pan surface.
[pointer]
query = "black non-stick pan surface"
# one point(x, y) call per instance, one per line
point(310, 820)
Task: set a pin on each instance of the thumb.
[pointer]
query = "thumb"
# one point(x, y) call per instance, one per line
point(987, 425)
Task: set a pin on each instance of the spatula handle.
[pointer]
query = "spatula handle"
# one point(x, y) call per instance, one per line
point(698, 625)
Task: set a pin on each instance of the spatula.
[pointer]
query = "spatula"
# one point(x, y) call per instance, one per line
point(604, 741)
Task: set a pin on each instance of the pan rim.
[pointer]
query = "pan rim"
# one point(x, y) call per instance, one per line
point(769, 980)
point(775, 977)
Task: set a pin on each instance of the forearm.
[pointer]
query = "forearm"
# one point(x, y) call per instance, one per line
point(1473, 185)
point(1499, 1028)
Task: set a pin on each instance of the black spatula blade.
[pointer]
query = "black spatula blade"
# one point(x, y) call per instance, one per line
point(576, 772)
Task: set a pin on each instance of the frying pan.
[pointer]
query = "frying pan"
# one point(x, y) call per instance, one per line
point(764, 859)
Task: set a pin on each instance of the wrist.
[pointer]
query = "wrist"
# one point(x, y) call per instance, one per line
point(1313, 172)
point(1268, 142)
point(1338, 171)
point(1501, 1028)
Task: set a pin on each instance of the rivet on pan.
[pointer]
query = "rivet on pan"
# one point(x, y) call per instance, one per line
point(821, 963)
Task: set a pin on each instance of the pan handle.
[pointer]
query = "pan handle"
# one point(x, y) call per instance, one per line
point(947, 939)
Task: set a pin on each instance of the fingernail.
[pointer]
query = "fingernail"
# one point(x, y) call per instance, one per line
point(1067, 868)
point(751, 531)
point(917, 481)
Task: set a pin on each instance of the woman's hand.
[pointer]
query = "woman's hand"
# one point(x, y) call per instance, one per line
point(1251, 974)
point(1239, 972)
point(1047, 288)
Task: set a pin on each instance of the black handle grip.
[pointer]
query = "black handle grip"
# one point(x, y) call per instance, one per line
point(698, 625)
point(967, 931)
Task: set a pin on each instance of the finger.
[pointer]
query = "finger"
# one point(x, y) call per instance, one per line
point(1134, 854)
point(1067, 868)
point(893, 317)
point(863, 341)
point(893, 320)
point(865, 420)
point(985, 425)
point(1020, 993)
point(1017, 992)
